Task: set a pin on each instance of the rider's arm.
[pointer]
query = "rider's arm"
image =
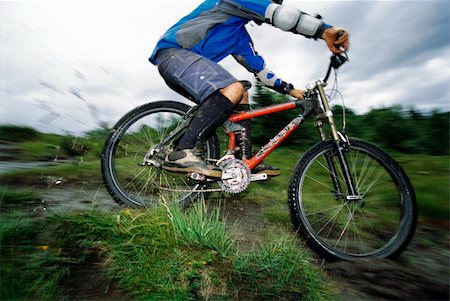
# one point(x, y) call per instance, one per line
point(253, 62)
point(285, 17)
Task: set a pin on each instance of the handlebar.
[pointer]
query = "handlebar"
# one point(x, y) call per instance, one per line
point(336, 61)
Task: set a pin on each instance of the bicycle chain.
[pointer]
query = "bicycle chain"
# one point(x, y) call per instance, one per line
point(188, 190)
point(228, 165)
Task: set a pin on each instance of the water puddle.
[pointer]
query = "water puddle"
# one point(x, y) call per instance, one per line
point(65, 198)
point(13, 165)
point(59, 198)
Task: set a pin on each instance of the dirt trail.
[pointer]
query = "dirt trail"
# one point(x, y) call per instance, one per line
point(420, 273)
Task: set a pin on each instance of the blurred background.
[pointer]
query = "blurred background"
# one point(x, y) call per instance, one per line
point(70, 70)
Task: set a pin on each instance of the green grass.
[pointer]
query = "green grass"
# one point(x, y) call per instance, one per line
point(158, 254)
point(39, 151)
point(10, 196)
point(171, 254)
point(280, 267)
point(429, 175)
point(30, 145)
point(29, 268)
point(277, 213)
point(200, 228)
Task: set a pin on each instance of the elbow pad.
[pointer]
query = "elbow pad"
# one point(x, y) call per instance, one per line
point(289, 18)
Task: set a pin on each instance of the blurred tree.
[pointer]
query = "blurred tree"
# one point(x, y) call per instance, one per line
point(396, 128)
point(17, 133)
point(388, 127)
point(435, 138)
point(266, 127)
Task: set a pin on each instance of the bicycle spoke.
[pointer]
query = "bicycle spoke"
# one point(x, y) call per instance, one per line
point(133, 175)
point(345, 227)
point(369, 224)
point(332, 218)
point(363, 170)
point(354, 160)
point(358, 234)
point(321, 183)
point(331, 173)
point(374, 182)
point(319, 194)
point(366, 227)
point(323, 211)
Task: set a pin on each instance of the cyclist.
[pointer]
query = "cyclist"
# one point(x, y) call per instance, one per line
point(187, 56)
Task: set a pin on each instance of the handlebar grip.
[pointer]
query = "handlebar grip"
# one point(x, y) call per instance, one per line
point(340, 33)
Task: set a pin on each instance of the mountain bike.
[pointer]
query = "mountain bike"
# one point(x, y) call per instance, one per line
point(347, 198)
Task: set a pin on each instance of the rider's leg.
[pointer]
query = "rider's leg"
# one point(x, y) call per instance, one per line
point(247, 125)
point(209, 85)
point(210, 115)
point(247, 151)
point(235, 93)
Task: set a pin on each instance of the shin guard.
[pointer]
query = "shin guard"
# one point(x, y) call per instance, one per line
point(210, 115)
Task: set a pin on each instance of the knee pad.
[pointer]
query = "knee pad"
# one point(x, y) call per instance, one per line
point(289, 18)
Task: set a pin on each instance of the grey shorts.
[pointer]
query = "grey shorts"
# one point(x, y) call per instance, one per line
point(192, 75)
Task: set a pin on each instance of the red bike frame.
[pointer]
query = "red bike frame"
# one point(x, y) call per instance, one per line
point(274, 142)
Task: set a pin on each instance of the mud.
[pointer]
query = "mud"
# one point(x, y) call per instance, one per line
point(87, 282)
point(420, 273)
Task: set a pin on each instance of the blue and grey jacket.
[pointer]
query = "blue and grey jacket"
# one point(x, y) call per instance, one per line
point(216, 29)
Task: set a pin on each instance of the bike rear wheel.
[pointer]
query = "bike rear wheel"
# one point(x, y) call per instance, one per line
point(380, 224)
point(128, 179)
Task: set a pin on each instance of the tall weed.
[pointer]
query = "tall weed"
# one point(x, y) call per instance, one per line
point(200, 227)
point(30, 269)
point(279, 268)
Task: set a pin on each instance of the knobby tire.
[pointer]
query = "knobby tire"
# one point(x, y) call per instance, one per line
point(379, 226)
point(144, 127)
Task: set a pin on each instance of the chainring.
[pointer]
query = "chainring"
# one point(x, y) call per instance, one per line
point(235, 176)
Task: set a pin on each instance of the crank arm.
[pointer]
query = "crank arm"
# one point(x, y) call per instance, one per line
point(258, 177)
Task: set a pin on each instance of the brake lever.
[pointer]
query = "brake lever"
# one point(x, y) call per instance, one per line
point(338, 59)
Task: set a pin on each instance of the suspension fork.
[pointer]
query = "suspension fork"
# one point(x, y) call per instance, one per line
point(330, 163)
point(352, 193)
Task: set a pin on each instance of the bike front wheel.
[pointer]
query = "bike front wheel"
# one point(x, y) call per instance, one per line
point(379, 223)
point(129, 177)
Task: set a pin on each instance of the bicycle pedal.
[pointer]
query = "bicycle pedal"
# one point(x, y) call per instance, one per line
point(152, 162)
point(196, 177)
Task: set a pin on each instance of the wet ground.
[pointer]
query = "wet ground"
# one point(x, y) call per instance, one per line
point(420, 273)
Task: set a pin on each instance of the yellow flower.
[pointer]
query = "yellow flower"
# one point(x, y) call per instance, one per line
point(43, 248)
point(126, 211)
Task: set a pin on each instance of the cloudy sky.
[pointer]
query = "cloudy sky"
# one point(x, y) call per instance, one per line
point(65, 66)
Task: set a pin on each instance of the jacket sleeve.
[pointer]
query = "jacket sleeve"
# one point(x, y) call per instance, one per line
point(254, 10)
point(284, 17)
point(253, 62)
